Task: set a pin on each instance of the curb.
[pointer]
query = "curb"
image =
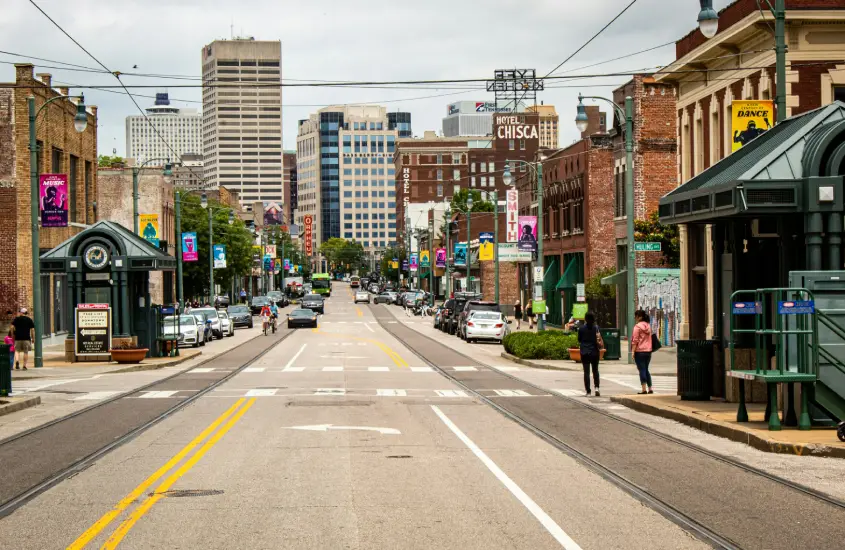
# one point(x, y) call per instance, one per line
point(155, 366)
point(727, 431)
point(17, 404)
point(531, 364)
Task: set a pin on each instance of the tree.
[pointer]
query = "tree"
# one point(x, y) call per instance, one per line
point(651, 230)
point(386, 267)
point(106, 161)
point(459, 202)
point(595, 290)
point(342, 254)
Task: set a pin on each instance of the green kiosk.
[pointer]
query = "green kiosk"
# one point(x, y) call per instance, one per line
point(108, 264)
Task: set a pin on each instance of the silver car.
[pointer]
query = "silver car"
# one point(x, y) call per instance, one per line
point(189, 332)
point(486, 325)
point(211, 313)
point(362, 296)
point(227, 327)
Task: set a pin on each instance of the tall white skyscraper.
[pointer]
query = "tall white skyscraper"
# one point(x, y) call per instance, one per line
point(242, 118)
point(148, 137)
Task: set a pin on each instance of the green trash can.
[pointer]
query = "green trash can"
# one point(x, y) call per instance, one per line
point(695, 369)
point(5, 370)
point(612, 343)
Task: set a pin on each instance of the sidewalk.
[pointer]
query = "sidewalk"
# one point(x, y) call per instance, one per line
point(663, 363)
point(57, 367)
point(719, 418)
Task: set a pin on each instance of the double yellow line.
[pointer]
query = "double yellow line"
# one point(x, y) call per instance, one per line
point(230, 418)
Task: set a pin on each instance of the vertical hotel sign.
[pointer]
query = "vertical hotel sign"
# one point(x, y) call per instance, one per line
point(308, 221)
point(406, 187)
point(512, 215)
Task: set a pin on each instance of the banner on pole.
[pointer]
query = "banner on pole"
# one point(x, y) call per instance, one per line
point(219, 256)
point(425, 258)
point(189, 247)
point(749, 119)
point(485, 252)
point(414, 264)
point(528, 233)
point(287, 264)
point(148, 228)
point(440, 257)
point(461, 254)
point(270, 249)
point(512, 215)
point(53, 195)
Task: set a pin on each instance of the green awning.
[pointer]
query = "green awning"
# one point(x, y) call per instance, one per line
point(569, 278)
point(548, 282)
point(620, 279)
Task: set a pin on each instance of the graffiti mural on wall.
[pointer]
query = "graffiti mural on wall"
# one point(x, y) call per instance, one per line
point(659, 294)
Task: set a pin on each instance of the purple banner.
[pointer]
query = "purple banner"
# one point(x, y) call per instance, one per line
point(53, 197)
point(440, 257)
point(528, 233)
point(189, 247)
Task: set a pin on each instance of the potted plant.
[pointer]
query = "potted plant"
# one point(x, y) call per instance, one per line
point(575, 354)
point(128, 352)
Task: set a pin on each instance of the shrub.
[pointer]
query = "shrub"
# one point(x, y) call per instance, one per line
point(550, 344)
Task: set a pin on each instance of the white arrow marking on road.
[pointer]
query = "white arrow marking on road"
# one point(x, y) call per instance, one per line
point(326, 427)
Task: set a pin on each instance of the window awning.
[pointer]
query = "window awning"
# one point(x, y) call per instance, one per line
point(620, 278)
point(569, 278)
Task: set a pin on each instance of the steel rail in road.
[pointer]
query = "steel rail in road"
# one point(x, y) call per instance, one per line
point(10, 504)
point(668, 510)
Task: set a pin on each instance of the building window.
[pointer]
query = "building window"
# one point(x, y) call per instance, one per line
point(439, 174)
point(439, 189)
point(456, 158)
point(511, 145)
point(457, 189)
point(492, 166)
point(839, 93)
point(522, 145)
point(456, 174)
point(483, 181)
point(472, 181)
point(483, 167)
point(472, 168)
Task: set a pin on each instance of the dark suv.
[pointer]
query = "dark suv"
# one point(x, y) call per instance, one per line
point(455, 306)
point(474, 305)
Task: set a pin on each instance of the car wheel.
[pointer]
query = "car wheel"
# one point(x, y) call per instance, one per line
point(195, 344)
point(203, 342)
point(289, 326)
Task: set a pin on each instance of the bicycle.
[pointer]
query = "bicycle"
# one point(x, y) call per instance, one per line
point(264, 323)
point(273, 323)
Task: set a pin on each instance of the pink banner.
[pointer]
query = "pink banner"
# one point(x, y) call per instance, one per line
point(53, 197)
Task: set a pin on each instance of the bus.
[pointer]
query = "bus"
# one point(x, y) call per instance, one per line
point(355, 281)
point(321, 283)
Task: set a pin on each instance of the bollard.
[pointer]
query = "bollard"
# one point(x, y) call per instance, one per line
point(5, 370)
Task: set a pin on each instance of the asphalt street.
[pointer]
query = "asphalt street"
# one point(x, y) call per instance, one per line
point(339, 437)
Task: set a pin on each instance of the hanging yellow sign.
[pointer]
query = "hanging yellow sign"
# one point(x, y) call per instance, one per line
point(148, 227)
point(749, 119)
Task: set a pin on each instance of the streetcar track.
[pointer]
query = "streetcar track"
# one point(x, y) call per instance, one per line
point(677, 516)
point(15, 502)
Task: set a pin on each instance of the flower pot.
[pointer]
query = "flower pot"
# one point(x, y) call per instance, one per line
point(128, 355)
point(575, 354)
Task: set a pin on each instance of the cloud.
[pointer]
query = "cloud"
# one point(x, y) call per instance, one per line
point(335, 40)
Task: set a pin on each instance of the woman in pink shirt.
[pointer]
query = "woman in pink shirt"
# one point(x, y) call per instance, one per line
point(641, 346)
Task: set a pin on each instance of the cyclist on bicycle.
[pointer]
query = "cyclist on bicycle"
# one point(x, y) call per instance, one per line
point(274, 315)
point(265, 318)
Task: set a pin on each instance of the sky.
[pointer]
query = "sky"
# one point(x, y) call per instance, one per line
point(368, 40)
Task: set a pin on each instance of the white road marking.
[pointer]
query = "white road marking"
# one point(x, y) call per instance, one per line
point(505, 369)
point(332, 369)
point(451, 393)
point(261, 392)
point(158, 394)
point(465, 369)
point(369, 328)
point(327, 427)
point(293, 369)
point(330, 391)
point(569, 393)
point(392, 393)
point(659, 383)
point(512, 393)
point(392, 322)
point(254, 369)
point(96, 395)
point(545, 520)
point(378, 369)
point(203, 369)
point(422, 369)
point(346, 344)
point(296, 355)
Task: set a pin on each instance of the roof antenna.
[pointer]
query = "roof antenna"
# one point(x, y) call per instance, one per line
point(232, 29)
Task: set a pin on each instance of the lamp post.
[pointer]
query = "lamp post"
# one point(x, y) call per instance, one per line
point(448, 292)
point(708, 23)
point(496, 242)
point(430, 258)
point(204, 204)
point(507, 178)
point(136, 171)
point(628, 116)
point(469, 236)
point(80, 123)
point(179, 291)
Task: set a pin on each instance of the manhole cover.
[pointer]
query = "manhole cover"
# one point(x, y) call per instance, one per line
point(190, 493)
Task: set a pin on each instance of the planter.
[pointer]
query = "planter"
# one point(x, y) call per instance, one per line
point(575, 354)
point(128, 355)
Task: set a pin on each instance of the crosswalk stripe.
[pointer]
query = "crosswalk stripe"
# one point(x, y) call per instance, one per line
point(254, 369)
point(203, 369)
point(505, 369)
point(330, 391)
point(512, 393)
point(158, 394)
point(96, 395)
point(451, 393)
point(261, 392)
point(392, 393)
point(422, 369)
point(568, 393)
point(465, 369)
point(293, 369)
point(378, 369)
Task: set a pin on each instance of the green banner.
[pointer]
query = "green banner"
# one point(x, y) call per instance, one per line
point(579, 311)
point(538, 306)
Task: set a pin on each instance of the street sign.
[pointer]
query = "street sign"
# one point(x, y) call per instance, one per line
point(93, 329)
point(747, 308)
point(538, 274)
point(580, 292)
point(797, 307)
point(647, 247)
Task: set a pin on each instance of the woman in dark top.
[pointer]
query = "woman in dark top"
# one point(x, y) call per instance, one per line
point(589, 339)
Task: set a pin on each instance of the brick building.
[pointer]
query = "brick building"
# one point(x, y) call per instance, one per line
point(289, 177)
point(62, 150)
point(815, 76)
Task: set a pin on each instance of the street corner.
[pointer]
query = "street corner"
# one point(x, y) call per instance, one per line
point(9, 405)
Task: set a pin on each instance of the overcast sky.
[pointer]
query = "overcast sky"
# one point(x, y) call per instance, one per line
point(340, 40)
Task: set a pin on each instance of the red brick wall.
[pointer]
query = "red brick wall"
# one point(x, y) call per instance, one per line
point(598, 212)
point(508, 282)
point(808, 88)
point(8, 205)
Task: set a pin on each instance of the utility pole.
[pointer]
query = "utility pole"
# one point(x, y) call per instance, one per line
point(496, 241)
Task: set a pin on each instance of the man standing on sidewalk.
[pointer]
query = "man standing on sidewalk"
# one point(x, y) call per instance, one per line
point(23, 331)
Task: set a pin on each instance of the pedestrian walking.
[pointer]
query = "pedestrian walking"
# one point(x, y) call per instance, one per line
point(590, 342)
point(529, 312)
point(10, 340)
point(23, 331)
point(642, 348)
point(517, 313)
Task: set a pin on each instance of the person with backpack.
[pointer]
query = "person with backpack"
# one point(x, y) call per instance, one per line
point(643, 345)
point(590, 341)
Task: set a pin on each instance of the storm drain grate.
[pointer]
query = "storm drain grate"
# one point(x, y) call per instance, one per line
point(181, 493)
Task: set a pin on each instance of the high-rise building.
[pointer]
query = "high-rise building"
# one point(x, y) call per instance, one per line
point(166, 132)
point(549, 127)
point(187, 174)
point(242, 118)
point(290, 179)
point(472, 118)
point(345, 173)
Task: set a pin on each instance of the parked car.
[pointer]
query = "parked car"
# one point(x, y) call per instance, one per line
point(471, 306)
point(204, 321)
point(486, 325)
point(227, 327)
point(189, 331)
point(455, 309)
point(384, 298)
point(314, 302)
point(241, 316)
point(211, 313)
point(437, 317)
point(302, 317)
point(362, 296)
point(259, 302)
point(374, 288)
point(221, 301)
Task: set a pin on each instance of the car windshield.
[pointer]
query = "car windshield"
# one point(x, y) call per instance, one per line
point(222, 315)
point(237, 310)
point(274, 294)
point(200, 315)
point(483, 307)
point(301, 313)
point(315, 297)
point(487, 316)
point(259, 301)
point(183, 320)
point(320, 283)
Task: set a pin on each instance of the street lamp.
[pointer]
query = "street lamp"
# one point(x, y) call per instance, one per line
point(80, 123)
point(581, 120)
point(708, 20)
point(628, 116)
point(469, 238)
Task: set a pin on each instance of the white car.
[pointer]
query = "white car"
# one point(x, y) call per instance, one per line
point(486, 325)
point(189, 331)
point(211, 313)
point(362, 296)
point(226, 324)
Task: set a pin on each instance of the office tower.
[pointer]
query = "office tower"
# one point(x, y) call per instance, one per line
point(166, 132)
